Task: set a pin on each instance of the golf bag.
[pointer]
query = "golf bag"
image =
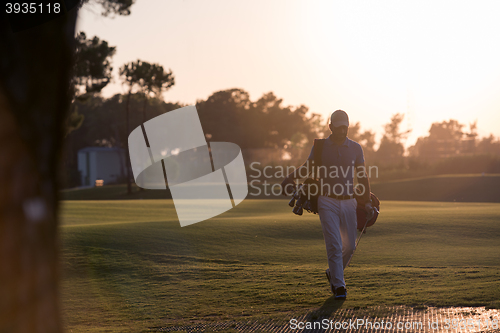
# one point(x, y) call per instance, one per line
point(364, 216)
point(303, 198)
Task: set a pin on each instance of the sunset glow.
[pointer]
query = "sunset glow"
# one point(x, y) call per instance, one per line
point(430, 60)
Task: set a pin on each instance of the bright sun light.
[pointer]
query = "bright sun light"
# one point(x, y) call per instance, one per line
point(441, 56)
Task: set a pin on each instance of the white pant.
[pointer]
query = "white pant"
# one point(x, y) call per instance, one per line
point(339, 223)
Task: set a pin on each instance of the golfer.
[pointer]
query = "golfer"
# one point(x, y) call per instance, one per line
point(343, 159)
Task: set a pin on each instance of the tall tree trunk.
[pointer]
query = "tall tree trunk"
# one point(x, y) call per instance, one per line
point(141, 187)
point(129, 183)
point(144, 108)
point(35, 67)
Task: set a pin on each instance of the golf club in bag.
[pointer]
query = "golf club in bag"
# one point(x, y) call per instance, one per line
point(303, 199)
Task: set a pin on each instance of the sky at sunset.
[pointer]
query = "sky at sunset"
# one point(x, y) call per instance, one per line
point(432, 60)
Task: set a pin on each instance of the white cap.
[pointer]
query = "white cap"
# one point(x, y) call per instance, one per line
point(339, 118)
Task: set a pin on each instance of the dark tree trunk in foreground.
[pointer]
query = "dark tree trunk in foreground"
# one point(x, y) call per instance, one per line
point(35, 69)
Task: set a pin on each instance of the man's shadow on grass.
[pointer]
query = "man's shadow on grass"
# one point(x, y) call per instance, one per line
point(330, 306)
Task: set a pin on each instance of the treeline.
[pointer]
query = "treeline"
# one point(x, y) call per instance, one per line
point(449, 148)
point(230, 115)
point(227, 115)
point(451, 139)
point(267, 131)
point(285, 132)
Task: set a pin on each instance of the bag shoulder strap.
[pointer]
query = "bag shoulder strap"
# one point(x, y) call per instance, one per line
point(317, 155)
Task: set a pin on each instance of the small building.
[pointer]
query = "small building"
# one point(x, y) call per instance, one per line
point(101, 163)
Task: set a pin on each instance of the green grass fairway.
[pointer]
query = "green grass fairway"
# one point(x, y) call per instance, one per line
point(448, 188)
point(128, 265)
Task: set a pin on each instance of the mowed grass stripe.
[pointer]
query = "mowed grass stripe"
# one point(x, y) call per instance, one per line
point(128, 265)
